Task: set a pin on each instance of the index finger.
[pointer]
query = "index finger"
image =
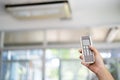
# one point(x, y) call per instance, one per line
point(93, 49)
point(80, 50)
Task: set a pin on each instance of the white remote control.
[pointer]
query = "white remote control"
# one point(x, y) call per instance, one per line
point(88, 56)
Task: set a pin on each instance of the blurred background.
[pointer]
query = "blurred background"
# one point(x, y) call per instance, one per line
point(40, 39)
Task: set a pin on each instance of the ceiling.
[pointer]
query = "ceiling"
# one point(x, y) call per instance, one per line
point(98, 18)
point(85, 13)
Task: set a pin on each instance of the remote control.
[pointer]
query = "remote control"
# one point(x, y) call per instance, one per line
point(88, 56)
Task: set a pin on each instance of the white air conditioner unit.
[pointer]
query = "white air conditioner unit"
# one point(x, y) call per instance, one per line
point(53, 9)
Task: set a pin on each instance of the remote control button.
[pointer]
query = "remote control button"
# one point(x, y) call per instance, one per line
point(84, 52)
point(87, 52)
point(87, 47)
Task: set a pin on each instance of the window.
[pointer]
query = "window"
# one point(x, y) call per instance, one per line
point(60, 64)
point(22, 65)
point(64, 64)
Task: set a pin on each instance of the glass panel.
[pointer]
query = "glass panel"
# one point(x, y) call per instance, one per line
point(62, 53)
point(52, 69)
point(27, 70)
point(0, 64)
point(22, 55)
point(66, 35)
point(24, 37)
point(118, 68)
point(55, 64)
point(73, 72)
point(22, 65)
point(112, 65)
point(14, 71)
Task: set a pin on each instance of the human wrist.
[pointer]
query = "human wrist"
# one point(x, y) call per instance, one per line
point(104, 74)
point(100, 70)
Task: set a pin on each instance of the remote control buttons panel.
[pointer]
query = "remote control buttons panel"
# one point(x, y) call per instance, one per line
point(88, 55)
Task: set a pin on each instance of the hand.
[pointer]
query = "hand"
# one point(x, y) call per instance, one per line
point(98, 64)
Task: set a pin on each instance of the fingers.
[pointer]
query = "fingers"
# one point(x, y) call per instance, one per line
point(80, 50)
point(93, 49)
point(85, 64)
point(81, 57)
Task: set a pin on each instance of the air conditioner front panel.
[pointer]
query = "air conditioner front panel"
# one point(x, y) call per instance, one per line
point(59, 10)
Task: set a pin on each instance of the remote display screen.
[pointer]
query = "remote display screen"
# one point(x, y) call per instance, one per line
point(86, 42)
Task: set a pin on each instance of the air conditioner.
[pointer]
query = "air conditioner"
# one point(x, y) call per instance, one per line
point(51, 9)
